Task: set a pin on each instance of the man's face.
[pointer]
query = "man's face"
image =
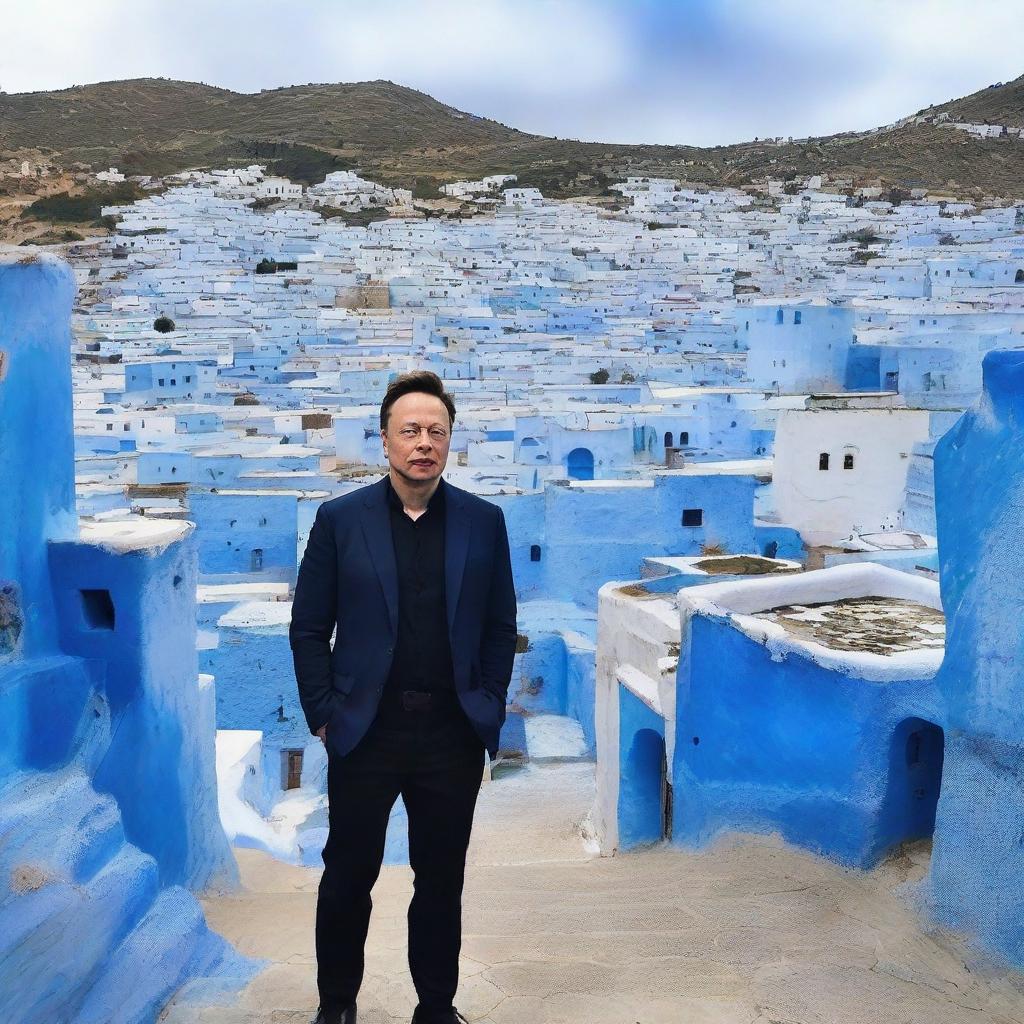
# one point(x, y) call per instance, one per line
point(417, 437)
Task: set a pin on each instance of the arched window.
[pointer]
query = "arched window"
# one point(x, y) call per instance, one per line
point(1018, 278)
point(668, 438)
point(797, 316)
point(580, 464)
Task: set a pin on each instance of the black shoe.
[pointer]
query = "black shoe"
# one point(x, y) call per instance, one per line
point(451, 1016)
point(346, 1016)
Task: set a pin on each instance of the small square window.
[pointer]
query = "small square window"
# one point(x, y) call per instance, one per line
point(97, 609)
point(693, 517)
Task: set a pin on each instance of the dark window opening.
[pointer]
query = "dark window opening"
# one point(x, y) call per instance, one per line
point(97, 609)
point(914, 782)
point(823, 460)
point(847, 462)
point(291, 765)
point(684, 437)
point(256, 559)
point(534, 552)
point(693, 517)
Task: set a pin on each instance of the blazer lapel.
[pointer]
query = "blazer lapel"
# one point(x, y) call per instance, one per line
point(457, 525)
point(376, 522)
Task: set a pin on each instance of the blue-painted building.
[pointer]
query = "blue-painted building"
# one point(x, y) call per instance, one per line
point(163, 381)
point(839, 708)
point(978, 853)
point(108, 805)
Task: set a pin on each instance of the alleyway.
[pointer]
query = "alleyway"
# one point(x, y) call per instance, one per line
point(750, 933)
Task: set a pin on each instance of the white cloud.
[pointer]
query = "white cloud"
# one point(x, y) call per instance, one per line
point(715, 71)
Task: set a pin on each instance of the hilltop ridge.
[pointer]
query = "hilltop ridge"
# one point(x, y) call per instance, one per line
point(404, 137)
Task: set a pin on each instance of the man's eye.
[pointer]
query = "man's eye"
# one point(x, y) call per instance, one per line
point(438, 435)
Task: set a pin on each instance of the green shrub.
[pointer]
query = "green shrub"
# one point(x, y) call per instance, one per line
point(64, 208)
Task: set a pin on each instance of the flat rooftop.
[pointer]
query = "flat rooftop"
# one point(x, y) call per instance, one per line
point(877, 625)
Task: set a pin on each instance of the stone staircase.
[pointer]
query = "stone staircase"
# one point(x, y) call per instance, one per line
point(87, 933)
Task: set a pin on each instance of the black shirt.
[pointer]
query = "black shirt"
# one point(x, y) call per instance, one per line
point(423, 659)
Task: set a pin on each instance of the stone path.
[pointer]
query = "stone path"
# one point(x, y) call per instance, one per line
point(752, 932)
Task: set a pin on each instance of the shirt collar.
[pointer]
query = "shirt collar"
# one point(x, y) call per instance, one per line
point(436, 499)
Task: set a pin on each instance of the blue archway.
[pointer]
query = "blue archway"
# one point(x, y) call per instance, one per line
point(642, 791)
point(580, 464)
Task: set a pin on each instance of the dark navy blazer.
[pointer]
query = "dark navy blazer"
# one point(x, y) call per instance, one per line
point(348, 583)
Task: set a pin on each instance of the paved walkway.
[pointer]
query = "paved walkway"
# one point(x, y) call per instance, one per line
point(749, 933)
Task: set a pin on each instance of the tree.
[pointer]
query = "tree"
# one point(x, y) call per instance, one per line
point(163, 324)
point(599, 376)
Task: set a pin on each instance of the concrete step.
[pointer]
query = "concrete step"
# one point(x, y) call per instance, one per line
point(59, 823)
point(554, 739)
point(168, 947)
point(57, 937)
point(48, 713)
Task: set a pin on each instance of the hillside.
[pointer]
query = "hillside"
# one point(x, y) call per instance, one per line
point(996, 104)
point(404, 137)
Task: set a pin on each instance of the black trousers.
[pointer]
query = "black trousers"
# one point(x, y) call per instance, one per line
point(434, 760)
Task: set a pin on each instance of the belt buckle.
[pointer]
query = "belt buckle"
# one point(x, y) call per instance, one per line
point(415, 700)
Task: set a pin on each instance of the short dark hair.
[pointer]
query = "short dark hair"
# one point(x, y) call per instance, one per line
point(415, 380)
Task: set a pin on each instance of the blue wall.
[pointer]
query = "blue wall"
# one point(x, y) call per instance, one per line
point(231, 527)
point(108, 798)
point(792, 747)
point(978, 853)
point(641, 757)
point(37, 496)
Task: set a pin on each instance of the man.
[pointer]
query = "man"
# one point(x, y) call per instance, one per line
point(413, 576)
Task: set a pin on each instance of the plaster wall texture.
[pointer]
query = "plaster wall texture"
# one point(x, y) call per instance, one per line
point(108, 813)
point(826, 505)
point(978, 859)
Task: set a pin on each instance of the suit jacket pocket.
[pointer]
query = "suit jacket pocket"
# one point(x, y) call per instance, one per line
point(494, 692)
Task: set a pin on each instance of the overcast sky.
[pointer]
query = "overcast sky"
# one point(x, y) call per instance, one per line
point(702, 72)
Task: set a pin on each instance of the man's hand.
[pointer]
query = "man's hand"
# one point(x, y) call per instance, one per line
point(322, 733)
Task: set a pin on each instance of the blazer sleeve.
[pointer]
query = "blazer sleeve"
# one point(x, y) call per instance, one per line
point(314, 613)
point(498, 641)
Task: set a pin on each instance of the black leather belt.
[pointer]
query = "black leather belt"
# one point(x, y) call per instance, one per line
point(426, 700)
